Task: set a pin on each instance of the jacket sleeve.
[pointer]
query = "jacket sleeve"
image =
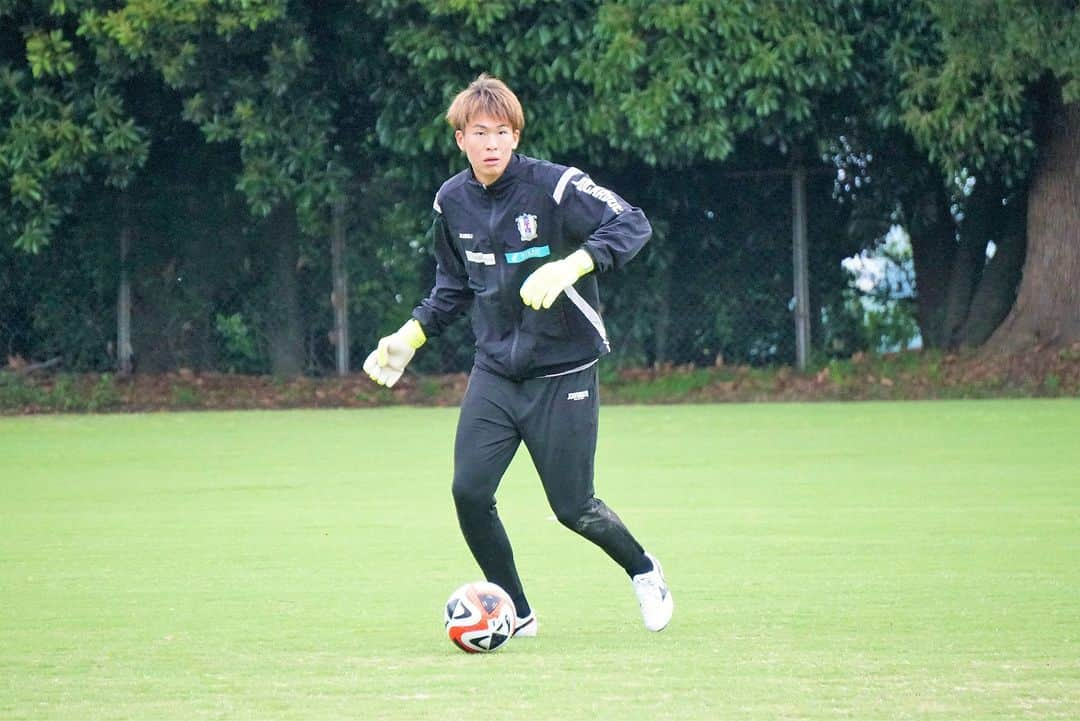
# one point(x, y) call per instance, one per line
point(451, 295)
point(612, 230)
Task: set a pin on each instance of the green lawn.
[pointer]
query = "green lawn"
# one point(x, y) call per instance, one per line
point(830, 561)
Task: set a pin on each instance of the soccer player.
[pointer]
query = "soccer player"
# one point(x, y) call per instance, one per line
point(519, 242)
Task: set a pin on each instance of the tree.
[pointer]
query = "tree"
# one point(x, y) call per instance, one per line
point(679, 82)
point(66, 124)
point(247, 75)
point(999, 99)
point(282, 88)
point(682, 80)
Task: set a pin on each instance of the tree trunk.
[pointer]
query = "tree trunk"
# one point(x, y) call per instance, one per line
point(996, 292)
point(970, 252)
point(284, 327)
point(982, 223)
point(933, 247)
point(1047, 308)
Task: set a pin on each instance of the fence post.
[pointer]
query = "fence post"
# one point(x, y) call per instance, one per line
point(340, 296)
point(124, 350)
point(801, 274)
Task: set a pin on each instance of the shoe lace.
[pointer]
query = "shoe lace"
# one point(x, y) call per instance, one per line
point(651, 584)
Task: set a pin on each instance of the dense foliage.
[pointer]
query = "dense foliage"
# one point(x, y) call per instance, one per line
point(219, 137)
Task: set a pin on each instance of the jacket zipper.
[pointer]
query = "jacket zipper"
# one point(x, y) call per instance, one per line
point(498, 246)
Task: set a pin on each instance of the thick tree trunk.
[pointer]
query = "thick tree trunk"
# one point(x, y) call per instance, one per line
point(1047, 308)
point(284, 325)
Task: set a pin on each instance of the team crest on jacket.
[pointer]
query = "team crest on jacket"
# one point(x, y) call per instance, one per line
point(526, 225)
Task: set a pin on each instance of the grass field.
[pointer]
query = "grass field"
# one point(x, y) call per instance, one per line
point(861, 561)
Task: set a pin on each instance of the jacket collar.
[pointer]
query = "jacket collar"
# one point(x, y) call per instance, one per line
point(513, 169)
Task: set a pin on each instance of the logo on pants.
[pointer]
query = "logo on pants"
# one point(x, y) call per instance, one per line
point(577, 395)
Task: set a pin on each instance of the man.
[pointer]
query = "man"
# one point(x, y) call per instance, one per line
point(519, 241)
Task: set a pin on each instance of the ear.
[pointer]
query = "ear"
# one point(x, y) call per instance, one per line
point(459, 136)
point(517, 139)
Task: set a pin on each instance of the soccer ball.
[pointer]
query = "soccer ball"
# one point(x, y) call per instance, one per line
point(479, 617)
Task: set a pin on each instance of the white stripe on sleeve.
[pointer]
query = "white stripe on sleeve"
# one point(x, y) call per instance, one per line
point(560, 188)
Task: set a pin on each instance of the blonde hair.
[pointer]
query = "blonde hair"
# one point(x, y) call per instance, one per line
point(486, 96)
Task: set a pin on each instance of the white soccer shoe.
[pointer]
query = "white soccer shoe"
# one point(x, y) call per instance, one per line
point(526, 627)
point(654, 597)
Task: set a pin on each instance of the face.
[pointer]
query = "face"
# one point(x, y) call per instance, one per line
point(488, 143)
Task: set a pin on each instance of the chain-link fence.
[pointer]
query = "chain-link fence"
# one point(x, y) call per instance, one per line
point(715, 285)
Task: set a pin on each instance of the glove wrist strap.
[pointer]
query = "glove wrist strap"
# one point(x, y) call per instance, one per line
point(412, 333)
point(580, 261)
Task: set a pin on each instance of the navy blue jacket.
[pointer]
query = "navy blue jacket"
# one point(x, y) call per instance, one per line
point(487, 241)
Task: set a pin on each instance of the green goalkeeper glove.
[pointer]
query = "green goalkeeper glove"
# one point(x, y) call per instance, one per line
point(545, 283)
point(386, 363)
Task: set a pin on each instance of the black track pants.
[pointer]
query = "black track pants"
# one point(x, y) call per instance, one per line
point(557, 419)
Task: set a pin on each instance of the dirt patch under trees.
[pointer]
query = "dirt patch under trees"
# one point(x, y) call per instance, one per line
point(905, 376)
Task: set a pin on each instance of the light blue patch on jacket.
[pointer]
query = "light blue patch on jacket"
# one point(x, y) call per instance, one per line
point(520, 256)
